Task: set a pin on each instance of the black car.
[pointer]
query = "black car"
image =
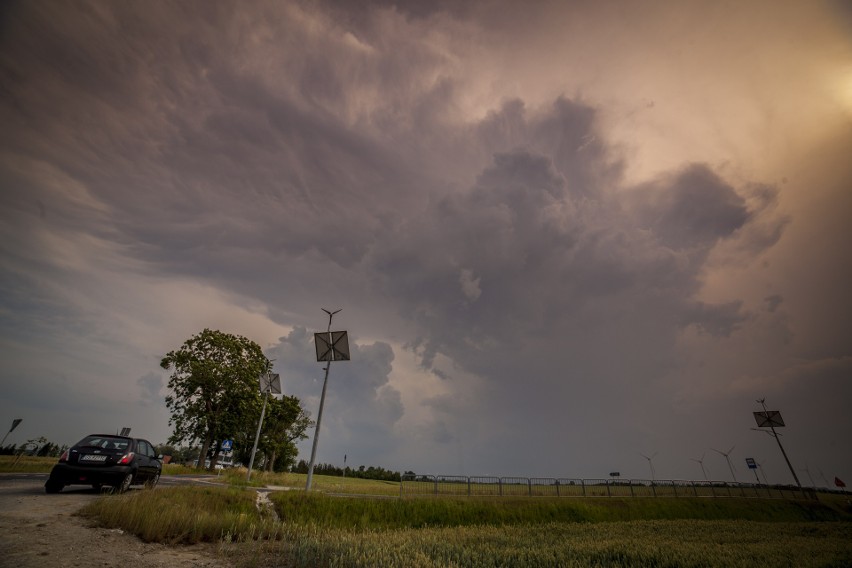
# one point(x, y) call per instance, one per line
point(103, 459)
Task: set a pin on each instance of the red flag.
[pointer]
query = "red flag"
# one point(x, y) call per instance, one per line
point(839, 482)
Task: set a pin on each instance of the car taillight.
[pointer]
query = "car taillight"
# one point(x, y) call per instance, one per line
point(126, 458)
point(64, 456)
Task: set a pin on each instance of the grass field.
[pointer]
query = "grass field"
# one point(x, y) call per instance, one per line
point(372, 530)
point(323, 530)
point(29, 464)
point(683, 544)
point(320, 483)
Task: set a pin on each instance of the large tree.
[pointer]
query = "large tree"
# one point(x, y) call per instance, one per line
point(214, 388)
point(285, 423)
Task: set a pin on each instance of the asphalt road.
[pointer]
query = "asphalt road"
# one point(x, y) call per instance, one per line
point(28, 483)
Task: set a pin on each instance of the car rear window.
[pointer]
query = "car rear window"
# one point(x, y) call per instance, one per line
point(104, 442)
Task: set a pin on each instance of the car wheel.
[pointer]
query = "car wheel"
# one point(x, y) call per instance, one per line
point(152, 482)
point(125, 483)
point(51, 487)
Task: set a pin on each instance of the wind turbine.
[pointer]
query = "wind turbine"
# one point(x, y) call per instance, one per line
point(728, 459)
point(650, 463)
point(701, 463)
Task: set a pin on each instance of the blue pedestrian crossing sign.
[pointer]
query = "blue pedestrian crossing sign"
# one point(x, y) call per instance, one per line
point(227, 445)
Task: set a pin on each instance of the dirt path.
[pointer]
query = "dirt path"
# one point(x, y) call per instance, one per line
point(38, 530)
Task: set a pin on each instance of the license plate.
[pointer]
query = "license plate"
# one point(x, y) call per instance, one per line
point(93, 458)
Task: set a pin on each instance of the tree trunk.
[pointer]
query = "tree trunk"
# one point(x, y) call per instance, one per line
point(202, 455)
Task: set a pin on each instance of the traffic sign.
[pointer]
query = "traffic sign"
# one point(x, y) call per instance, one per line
point(751, 463)
point(227, 445)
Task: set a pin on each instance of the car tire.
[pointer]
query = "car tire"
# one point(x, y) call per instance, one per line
point(124, 485)
point(51, 487)
point(152, 482)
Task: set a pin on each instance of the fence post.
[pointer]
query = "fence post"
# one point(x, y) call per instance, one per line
point(500, 485)
point(436, 485)
point(583, 484)
point(630, 481)
point(468, 487)
point(557, 488)
point(608, 494)
point(529, 484)
point(653, 489)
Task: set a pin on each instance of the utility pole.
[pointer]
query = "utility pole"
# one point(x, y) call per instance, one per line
point(331, 346)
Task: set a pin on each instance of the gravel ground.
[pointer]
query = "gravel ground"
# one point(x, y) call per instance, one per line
point(38, 530)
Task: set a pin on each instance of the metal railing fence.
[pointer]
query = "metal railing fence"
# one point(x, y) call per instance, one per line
point(485, 486)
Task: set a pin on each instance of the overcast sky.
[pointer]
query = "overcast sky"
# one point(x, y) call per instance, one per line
point(562, 234)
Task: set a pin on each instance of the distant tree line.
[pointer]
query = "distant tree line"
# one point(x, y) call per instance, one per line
point(363, 472)
point(179, 454)
point(37, 447)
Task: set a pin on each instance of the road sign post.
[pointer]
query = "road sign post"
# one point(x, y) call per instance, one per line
point(270, 383)
point(752, 465)
point(15, 423)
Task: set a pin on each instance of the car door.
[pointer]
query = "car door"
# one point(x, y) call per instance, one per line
point(147, 460)
point(156, 463)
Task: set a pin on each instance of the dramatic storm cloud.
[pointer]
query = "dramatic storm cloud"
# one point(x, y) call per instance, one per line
point(561, 235)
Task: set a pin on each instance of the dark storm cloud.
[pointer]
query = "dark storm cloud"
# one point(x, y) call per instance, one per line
point(151, 386)
point(205, 146)
point(547, 252)
point(772, 302)
point(691, 210)
point(719, 320)
point(569, 268)
point(166, 165)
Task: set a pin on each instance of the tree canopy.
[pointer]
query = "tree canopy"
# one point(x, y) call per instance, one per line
point(214, 387)
point(285, 423)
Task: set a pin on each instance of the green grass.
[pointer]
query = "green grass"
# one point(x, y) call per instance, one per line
point(321, 530)
point(28, 464)
point(378, 514)
point(185, 515)
point(681, 544)
point(180, 469)
point(319, 483)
